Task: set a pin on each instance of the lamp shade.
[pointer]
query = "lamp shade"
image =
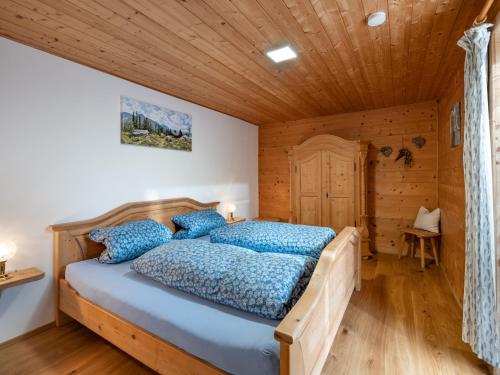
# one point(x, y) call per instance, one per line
point(7, 250)
point(231, 208)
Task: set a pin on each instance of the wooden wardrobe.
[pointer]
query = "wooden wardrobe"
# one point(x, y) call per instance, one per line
point(328, 184)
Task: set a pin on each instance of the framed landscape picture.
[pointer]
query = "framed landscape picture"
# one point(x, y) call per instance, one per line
point(455, 125)
point(148, 124)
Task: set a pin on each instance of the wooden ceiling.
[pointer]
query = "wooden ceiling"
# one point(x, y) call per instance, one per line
point(212, 52)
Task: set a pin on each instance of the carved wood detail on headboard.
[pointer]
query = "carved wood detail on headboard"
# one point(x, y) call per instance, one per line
point(71, 242)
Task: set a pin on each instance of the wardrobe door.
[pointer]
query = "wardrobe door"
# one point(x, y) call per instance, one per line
point(308, 188)
point(338, 202)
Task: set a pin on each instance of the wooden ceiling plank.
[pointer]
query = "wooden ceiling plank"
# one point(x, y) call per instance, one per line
point(49, 30)
point(161, 63)
point(400, 22)
point(279, 24)
point(225, 19)
point(211, 42)
point(261, 40)
point(212, 52)
point(181, 59)
point(329, 16)
point(161, 58)
point(454, 56)
point(353, 19)
point(306, 16)
point(240, 65)
point(381, 49)
point(45, 42)
point(327, 86)
point(443, 22)
point(275, 97)
point(421, 31)
point(170, 73)
point(278, 37)
point(253, 93)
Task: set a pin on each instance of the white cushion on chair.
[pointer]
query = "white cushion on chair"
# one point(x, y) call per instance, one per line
point(428, 220)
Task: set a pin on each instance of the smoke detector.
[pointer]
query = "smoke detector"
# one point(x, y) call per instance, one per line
point(376, 19)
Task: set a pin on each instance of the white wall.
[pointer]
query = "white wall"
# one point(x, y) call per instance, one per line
point(61, 160)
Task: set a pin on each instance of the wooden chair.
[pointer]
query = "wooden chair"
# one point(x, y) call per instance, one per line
point(422, 235)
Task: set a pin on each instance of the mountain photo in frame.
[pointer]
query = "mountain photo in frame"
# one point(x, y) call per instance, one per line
point(148, 124)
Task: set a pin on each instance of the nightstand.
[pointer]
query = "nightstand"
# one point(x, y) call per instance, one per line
point(21, 277)
point(235, 220)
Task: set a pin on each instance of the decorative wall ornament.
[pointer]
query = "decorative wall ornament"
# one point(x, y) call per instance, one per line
point(147, 124)
point(419, 141)
point(386, 151)
point(405, 153)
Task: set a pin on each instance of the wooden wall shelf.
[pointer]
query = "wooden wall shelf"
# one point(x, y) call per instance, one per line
point(21, 277)
point(235, 220)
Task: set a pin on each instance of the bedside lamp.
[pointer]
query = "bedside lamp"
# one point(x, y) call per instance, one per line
point(230, 211)
point(7, 251)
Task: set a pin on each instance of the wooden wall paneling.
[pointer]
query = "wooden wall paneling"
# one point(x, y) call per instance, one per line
point(394, 192)
point(451, 195)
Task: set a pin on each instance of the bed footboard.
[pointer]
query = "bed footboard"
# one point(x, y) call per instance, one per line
point(308, 331)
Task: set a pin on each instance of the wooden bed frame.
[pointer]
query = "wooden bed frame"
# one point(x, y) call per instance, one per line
point(305, 334)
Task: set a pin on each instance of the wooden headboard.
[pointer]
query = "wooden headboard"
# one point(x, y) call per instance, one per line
point(71, 242)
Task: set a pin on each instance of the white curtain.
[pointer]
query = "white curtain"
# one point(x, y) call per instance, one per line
point(479, 326)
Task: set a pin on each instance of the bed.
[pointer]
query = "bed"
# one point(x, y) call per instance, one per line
point(176, 342)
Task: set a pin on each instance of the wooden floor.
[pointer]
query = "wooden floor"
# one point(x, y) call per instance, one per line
point(404, 321)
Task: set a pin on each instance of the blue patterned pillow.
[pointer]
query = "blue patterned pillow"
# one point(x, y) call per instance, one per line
point(130, 240)
point(271, 237)
point(197, 223)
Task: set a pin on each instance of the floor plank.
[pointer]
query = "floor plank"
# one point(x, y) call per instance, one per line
point(72, 349)
point(404, 321)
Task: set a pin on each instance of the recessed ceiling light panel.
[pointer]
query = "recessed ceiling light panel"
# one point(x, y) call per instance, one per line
point(281, 54)
point(376, 19)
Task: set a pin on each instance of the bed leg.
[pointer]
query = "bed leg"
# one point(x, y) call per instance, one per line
point(62, 318)
point(284, 359)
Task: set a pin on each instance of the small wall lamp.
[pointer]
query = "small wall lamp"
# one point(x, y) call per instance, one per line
point(230, 211)
point(7, 251)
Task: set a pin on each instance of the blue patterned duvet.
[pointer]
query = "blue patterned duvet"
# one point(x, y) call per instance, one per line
point(275, 237)
point(264, 284)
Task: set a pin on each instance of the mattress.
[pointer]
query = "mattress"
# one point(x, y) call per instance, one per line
point(204, 238)
point(235, 341)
